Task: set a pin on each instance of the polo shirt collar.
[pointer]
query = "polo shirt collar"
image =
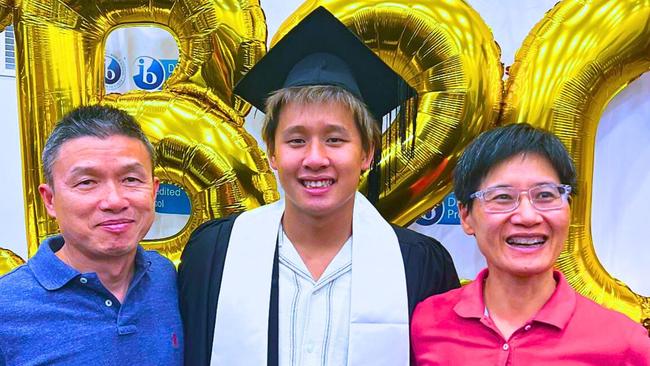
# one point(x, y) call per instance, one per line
point(142, 265)
point(560, 307)
point(470, 304)
point(557, 311)
point(52, 273)
point(48, 269)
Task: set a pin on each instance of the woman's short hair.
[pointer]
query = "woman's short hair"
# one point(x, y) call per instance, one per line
point(499, 144)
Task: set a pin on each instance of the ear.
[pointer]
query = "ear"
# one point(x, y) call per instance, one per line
point(466, 219)
point(366, 159)
point(272, 161)
point(156, 185)
point(47, 194)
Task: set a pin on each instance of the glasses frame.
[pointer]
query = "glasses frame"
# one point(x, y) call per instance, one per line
point(564, 196)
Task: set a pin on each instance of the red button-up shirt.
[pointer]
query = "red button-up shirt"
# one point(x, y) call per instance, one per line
point(454, 329)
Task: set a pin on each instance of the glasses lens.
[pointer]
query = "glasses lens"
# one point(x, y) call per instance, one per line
point(500, 199)
point(547, 196)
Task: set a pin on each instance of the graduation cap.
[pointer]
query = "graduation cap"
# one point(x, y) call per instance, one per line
point(320, 50)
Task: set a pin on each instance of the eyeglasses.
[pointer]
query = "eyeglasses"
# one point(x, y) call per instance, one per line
point(543, 197)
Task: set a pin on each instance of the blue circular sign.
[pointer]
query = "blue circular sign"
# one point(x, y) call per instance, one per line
point(149, 73)
point(432, 217)
point(113, 72)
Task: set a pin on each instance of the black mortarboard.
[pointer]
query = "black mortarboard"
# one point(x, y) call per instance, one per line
point(320, 50)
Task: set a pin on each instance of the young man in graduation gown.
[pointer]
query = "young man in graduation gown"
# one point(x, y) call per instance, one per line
point(319, 278)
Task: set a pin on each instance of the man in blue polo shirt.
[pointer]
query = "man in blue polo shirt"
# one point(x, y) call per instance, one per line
point(92, 295)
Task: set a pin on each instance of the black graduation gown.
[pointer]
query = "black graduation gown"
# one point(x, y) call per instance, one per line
point(429, 270)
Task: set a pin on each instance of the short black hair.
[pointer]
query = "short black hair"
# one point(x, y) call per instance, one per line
point(499, 144)
point(94, 121)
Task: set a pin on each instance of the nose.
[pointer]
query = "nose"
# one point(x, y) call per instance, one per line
point(526, 214)
point(316, 157)
point(113, 199)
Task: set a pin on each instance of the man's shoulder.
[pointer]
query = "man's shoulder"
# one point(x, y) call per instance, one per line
point(428, 265)
point(18, 278)
point(17, 286)
point(407, 236)
point(210, 233)
point(160, 265)
point(156, 258)
point(207, 241)
point(416, 245)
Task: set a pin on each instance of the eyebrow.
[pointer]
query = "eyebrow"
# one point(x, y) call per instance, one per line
point(328, 128)
point(80, 170)
point(336, 128)
point(294, 129)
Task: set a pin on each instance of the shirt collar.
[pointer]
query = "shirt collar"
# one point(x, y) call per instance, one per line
point(48, 269)
point(560, 307)
point(470, 304)
point(52, 273)
point(557, 311)
point(142, 265)
point(289, 256)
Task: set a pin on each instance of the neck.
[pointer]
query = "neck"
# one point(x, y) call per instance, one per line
point(317, 239)
point(512, 301)
point(114, 273)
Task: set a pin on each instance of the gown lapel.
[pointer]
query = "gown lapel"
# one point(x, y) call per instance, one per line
point(379, 328)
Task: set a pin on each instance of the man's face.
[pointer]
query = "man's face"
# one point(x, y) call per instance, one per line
point(102, 195)
point(525, 242)
point(319, 158)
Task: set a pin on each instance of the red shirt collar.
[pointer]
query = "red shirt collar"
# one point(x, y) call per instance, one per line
point(557, 311)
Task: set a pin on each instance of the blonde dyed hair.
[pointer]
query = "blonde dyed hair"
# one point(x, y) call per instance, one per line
point(315, 94)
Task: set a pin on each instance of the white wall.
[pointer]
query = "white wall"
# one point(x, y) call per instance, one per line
point(12, 214)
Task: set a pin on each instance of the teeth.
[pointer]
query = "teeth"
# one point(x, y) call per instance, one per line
point(317, 183)
point(526, 241)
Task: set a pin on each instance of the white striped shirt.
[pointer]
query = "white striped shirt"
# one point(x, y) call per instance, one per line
point(314, 316)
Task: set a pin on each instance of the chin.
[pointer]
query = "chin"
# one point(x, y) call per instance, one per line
point(315, 211)
point(532, 271)
point(315, 207)
point(119, 249)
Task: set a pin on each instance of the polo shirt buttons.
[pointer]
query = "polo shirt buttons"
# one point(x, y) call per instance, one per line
point(505, 346)
point(83, 280)
point(527, 327)
point(108, 303)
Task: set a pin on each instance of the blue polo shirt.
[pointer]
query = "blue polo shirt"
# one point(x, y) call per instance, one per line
point(50, 314)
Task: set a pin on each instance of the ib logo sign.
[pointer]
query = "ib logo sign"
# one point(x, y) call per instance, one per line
point(172, 199)
point(444, 213)
point(113, 73)
point(150, 73)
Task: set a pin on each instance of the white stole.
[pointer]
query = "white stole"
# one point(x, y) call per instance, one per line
point(379, 329)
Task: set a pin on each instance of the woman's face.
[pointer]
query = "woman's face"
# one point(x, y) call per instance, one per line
point(524, 242)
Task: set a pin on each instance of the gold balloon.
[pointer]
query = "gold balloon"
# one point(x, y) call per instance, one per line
point(60, 65)
point(6, 13)
point(569, 67)
point(447, 53)
point(9, 260)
